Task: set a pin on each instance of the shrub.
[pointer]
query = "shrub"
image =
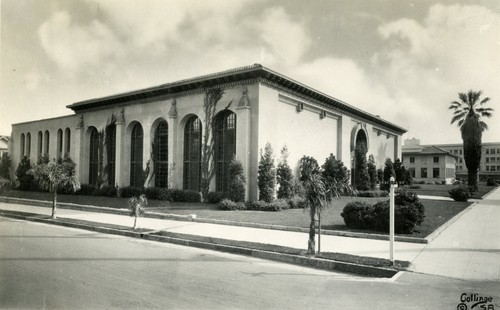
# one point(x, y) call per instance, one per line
point(334, 172)
point(86, 189)
point(491, 182)
point(236, 184)
point(5, 163)
point(266, 178)
point(372, 194)
point(229, 205)
point(25, 179)
point(158, 193)
point(4, 185)
point(354, 214)
point(361, 176)
point(277, 205)
point(460, 193)
point(107, 190)
point(129, 192)
point(297, 202)
point(215, 197)
point(307, 165)
point(415, 187)
point(372, 172)
point(179, 195)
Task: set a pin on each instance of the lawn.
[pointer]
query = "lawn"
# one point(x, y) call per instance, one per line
point(442, 190)
point(437, 212)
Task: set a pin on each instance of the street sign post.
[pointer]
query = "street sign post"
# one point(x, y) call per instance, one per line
point(391, 218)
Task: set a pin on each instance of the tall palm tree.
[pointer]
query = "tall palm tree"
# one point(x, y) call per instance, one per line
point(468, 113)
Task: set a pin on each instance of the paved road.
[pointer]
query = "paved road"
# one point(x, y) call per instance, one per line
point(43, 266)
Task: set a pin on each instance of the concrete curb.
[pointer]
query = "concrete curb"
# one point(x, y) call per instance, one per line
point(193, 218)
point(312, 262)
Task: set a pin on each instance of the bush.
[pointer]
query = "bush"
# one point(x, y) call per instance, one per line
point(229, 205)
point(372, 194)
point(284, 176)
point(409, 212)
point(297, 202)
point(415, 187)
point(179, 195)
point(4, 185)
point(86, 189)
point(25, 179)
point(266, 178)
point(107, 191)
point(158, 193)
point(215, 197)
point(491, 182)
point(5, 163)
point(460, 193)
point(277, 205)
point(236, 184)
point(129, 192)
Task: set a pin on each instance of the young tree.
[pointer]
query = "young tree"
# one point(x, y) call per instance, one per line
point(266, 178)
point(333, 170)
point(55, 176)
point(5, 164)
point(318, 196)
point(137, 207)
point(308, 165)
point(362, 178)
point(372, 172)
point(284, 176)
point(236, 181)
point(25, 179)
point(388, 173)
point(468, 113)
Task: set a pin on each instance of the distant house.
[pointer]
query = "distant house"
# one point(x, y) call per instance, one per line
point(428, 163)
point(4, 143)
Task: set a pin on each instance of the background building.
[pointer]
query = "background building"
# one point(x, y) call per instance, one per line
point(428, 163)
point(4, 145)
point(114, 139)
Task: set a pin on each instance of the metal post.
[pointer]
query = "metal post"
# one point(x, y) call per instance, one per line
point(391, 220)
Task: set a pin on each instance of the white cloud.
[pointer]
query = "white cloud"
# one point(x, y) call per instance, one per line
point(76, 47)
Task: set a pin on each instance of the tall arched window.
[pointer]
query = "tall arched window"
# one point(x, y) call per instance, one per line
point(47, 138)
point(59, 144)
point(225, 147)
point(192, 154)
point(28, 145)
point(23, 145)
point(67, 135)
point(161, 154)
point(136, 173)
point(93, 156)
point(111, 153)
point(40, 144)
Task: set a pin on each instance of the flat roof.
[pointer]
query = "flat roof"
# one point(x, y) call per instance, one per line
point(233, 75)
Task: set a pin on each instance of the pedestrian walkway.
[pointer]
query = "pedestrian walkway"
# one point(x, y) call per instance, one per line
point(468, 249)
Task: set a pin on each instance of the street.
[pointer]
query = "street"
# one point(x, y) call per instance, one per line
point(43, 266)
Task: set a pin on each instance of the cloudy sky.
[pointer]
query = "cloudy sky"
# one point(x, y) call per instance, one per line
point(403, 60)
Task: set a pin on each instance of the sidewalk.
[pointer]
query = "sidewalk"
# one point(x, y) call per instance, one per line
point(467, 249)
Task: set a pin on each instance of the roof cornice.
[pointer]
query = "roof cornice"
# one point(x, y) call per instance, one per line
point(225, 77)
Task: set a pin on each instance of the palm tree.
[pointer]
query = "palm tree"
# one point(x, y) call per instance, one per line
point(54, 176)
point(468, 113)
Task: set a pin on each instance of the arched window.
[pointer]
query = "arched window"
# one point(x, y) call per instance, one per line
point(111, 153)
point(93, 156)
point(23, 145)
point(67, 135)
point(28, 145)
point(192, 154)
point(160, 151)
point(225, 147)
point(136, 172)
point(47, 138)
point(40, 144)
point(59, 144)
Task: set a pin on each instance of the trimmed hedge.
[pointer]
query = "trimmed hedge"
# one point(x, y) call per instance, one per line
point(215, 197)
point(129, 192)
point(372, 193)
point(460, 193)
point(108, 191)
point(179, 195)
point(157, 193)
point(409, 212)
point(297, 202)
point(273, 206)
point(229, 205)
point(86, 189)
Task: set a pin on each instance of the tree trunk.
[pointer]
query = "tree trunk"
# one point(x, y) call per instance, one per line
point(135, 222)
point(319, 232)
point(54, 205)
point(311, 245)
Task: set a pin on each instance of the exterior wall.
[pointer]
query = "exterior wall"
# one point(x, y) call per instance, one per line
point(52, 126)
point(304, 132)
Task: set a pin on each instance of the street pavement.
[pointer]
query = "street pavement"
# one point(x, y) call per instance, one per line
point(469, 248)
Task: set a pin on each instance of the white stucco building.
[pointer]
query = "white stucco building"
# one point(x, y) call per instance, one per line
point(165, 125)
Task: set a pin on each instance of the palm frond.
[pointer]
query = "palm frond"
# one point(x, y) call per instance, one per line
point(484, 100)
point(483, 126)
point(458, 117)
point(463, 97)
